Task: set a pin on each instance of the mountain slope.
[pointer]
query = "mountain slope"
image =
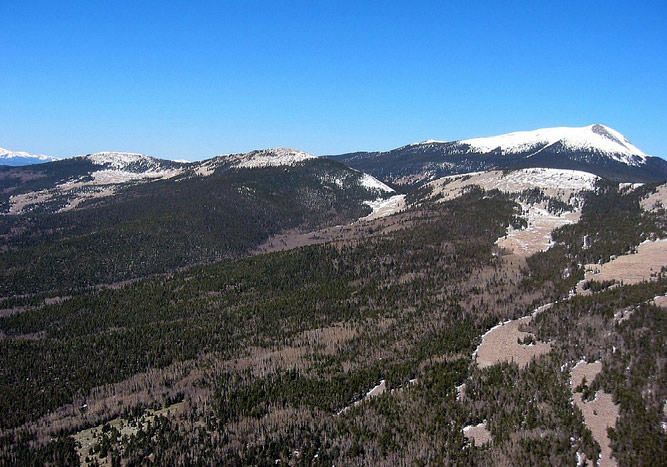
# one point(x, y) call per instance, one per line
point(596, 149)
point(150, 216)
point(19, 158)
point(275, 357)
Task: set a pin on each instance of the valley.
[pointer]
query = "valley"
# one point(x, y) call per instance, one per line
point(277, 308)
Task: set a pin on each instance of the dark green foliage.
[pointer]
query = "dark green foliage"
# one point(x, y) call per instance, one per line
point(60, 451)
point(268, 350)
point(535, 195)
point(160, 226)
point(613, 221)
point(416, 164)
point(595, 286)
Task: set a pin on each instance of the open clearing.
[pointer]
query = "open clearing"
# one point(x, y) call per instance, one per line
point(88, 438)
point(501, 344)
point(656, 201)
point(537, 236)
point(600, 413)
point(385, 207)
point(478, 433)
point(564, 185)
point(561, 184)
point(645, 264)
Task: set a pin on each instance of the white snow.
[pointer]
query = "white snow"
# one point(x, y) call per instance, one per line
point(565, 185)
point(428, 141)
point(559, 183)
point(79, 190)
point(460, 390)
point(373, 183)
point(205, 169)
point(384, 207)
point(629, 186)
point(106, 177)
point(593, 137)
point(581, 458)
point(329, 178)
point(268, 158)
point(8, 154)
point(470, 427)
point(537, 235)
point(373, 392)
point(548, 179)
point(117, 160)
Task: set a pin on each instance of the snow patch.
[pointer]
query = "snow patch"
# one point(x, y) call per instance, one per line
point(116, 160)
point(375, 391)
point(537, 235)
point(384, 207)
point(428, 141)
point(373, 183)
point(269, 158)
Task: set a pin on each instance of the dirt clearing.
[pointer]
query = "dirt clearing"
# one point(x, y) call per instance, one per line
point(600, 413)
point(644, 265)
point(501, 344)
point(537, 236)
point(478, 433)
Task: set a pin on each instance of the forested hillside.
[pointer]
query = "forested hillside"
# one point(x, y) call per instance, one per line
point(156, 227)
point(260, 360)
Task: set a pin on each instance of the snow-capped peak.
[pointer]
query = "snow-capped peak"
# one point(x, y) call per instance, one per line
point(269, 158)
point(23, 158)
point(595, 137)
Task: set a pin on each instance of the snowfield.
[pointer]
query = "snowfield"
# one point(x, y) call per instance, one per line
point(117, 160)
point(596, 137)
point(558, 183)
point(268, 158)
point(19, 158)
point(373, 183)
point(384, 207)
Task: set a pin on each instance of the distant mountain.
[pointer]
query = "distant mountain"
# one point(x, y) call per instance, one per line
point(18, 158)
point(596, 149)
point(65, 184)
point(118, 216)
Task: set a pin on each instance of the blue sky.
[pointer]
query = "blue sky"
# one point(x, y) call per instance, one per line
point(189, 80)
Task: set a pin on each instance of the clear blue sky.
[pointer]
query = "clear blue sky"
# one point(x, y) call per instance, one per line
point(189, 80)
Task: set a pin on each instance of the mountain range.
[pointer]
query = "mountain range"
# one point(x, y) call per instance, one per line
point(477, 302)
point(151, 215)
point(18, 158)
point(595, 148)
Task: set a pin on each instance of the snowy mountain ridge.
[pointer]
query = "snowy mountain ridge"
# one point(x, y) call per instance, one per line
point(597, 149)
point(595, 137)
point(116, 160)
point(17, 158)
point(273, 157)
